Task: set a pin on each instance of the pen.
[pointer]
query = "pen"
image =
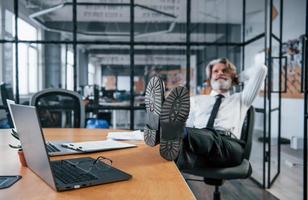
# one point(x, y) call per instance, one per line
point(71, 146)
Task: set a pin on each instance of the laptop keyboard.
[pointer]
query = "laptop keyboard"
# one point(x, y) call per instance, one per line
point(69, 173)
point(51, 148)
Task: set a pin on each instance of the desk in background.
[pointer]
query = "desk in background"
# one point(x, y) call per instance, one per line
point(120, 114)
point(153, 177)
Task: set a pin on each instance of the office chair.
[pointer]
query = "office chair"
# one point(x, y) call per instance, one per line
point(7, 93)
point(216, 176)
point(60, 108)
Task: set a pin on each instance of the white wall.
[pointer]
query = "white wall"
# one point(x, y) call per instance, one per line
point(292, 118)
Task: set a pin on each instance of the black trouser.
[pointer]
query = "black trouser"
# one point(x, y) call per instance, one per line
point(205, 147)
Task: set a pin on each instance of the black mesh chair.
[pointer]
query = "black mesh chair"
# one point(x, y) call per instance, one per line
point(59, 108)
point(216, 176)
point(7, 93)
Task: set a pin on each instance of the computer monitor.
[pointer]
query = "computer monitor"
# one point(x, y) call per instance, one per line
point(108, 93)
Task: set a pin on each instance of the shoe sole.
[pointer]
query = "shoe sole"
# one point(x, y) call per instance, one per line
point(174, 114)
point(153, 103)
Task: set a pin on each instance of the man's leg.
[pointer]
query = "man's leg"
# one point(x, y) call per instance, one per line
point(204, 148)
point(226, 151)
point(154, 97)
point(174, 114)
point(197, 146)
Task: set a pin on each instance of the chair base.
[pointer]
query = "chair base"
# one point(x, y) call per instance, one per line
point(216, 193)
point(215, 182)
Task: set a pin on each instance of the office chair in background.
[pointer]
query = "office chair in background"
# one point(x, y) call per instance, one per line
point(60, 108)
point(216, 176)
point(7, 93)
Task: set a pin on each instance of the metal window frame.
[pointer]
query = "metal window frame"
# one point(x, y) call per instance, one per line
point(188, 45)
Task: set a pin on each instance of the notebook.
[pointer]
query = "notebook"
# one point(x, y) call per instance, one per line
point(60, 174)
point(57, 148)
point(91, 146)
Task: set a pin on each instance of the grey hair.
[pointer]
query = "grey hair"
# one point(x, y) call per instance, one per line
point(211, 64)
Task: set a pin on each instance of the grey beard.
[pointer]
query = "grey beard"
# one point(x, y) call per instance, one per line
point(221, 84)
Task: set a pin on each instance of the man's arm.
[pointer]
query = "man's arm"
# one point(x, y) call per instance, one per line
point(253, 78)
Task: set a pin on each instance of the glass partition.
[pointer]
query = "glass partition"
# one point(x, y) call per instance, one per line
point(112, 83)
point(160, 21)
point(216, 21)
point(255, 18)
point(103, 21)
point(52, 19)
point(167, 62)
point(7, 20)
point(8, 62)
point(257, 153)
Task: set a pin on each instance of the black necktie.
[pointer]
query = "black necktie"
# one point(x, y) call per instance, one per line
point(214, 112)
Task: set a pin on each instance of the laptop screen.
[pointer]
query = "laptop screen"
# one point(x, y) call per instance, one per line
point(32, 141)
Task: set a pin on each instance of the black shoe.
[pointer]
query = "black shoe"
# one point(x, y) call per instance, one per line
point(174, 114)
point(154, 97)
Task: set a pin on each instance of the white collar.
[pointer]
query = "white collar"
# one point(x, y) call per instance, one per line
point(225, 94)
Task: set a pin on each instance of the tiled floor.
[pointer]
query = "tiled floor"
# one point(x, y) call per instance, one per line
point(230, 190)
point(289, 183)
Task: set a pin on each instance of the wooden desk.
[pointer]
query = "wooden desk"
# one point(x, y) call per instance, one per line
point(153, 177)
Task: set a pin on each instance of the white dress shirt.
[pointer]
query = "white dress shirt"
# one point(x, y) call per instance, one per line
point(233, 108)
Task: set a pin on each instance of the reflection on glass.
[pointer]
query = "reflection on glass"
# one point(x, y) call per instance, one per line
point(103, 21)
point(216, 21)
point(276, 17)
point(70, 71)
point(50, 16)
point(26, 31)
point(33, 69)
point(9, 25)
point(160, 21)
point(168, 63)
point(255, 20)
point(291, 76)
point(28, 68)
point(91, 73)
point(8, 60)
point(115, 76)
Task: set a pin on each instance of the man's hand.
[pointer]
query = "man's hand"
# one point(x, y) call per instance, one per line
point(260, 58)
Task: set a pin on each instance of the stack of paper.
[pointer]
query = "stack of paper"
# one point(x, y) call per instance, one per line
point(127, 135)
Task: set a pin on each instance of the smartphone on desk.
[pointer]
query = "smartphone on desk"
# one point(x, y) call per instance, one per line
point(8, 181)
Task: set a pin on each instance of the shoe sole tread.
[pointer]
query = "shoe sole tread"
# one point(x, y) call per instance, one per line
point(175, 111)
point(153, 103)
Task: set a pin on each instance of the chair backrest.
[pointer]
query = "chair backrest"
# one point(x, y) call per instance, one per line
point(7, 93)
point(59, 108)
point(247, 131)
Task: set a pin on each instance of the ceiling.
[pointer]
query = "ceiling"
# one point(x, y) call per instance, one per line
point(102, 17)
point(211, 11)
point(155, 21)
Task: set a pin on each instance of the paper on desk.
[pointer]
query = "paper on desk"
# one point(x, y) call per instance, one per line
point(126, 135)
point(99, 145)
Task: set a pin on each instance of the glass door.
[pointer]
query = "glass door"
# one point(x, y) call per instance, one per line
point(273, 128)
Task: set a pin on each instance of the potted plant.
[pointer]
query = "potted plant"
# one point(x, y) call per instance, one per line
point(19, 148)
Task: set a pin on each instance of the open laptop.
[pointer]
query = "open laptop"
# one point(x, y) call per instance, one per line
point(57, 148)
point(60, 174)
